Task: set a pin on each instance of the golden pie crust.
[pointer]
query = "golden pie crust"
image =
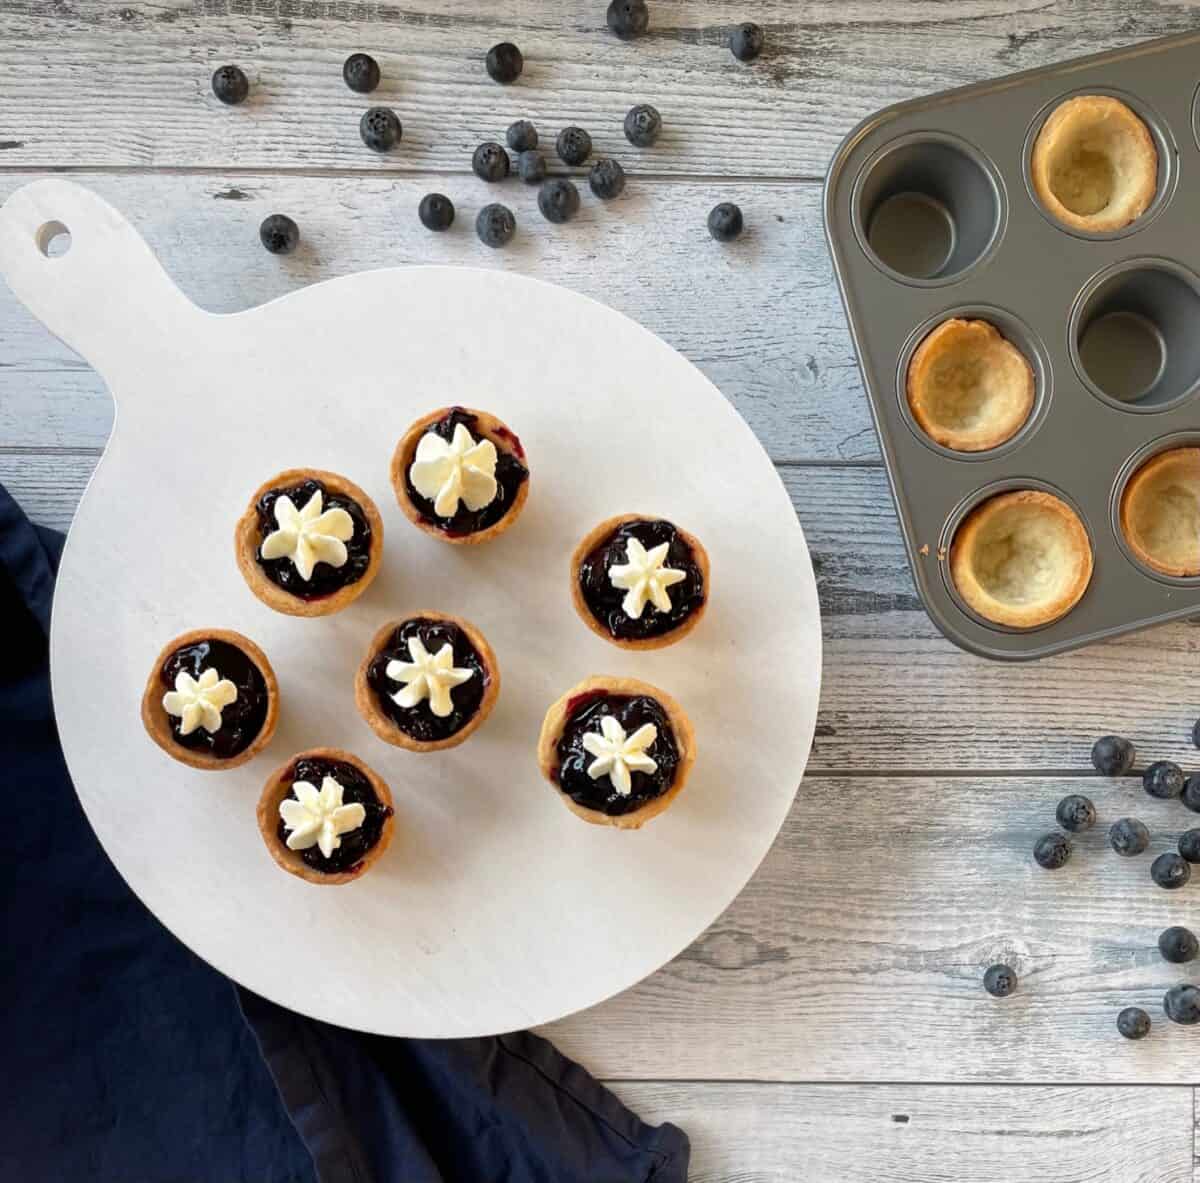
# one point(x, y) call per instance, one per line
point(969, 387)
point(367, 701)
point(487, 426)
point(556, 719)
point(279, 784)
point(1021, 559)
point(592, 539)
point(1095, 164)
point(246, 543)
point(158, 723)
point(1160, 512)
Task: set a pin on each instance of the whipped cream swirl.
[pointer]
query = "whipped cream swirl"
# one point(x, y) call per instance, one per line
point(308, 536)
point(198, 702)
point(317, 817)
point(618, 755)
point(459, 470)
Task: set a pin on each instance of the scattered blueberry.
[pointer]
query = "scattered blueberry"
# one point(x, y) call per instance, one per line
point(1113, 756)
point(574, 145)
point(746, 42)
point(725, 222)
point(1170, 870)
point(1182, 1004)
point(279, 234)
point(436, 211)
point(230, 85)
point(1128, 836)
point(1189, 845)
point(1133, 1023)
point(495, 225)
point(380, 129)
point(642, 125)
point(1178, 945)
point(504, 62)
point(1076, 813)
point(1163, 779)
point(558, 199)
point(361, 72)
point(490, 162)
point(521, 136)
point(1191, 792)
point(628, 18)
point(607, 179)
point(1052, 851)
point(1000, 981)
point(532, 167)
point(1196, 733)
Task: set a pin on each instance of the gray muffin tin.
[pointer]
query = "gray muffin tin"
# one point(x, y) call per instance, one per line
point(930, 213)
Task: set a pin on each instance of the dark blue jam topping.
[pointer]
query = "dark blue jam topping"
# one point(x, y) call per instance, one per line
point(419, 721)
point(242, 719)
point(325, 579)
point(604, 600)
point(511, 474)
point(631, 711)
point(356, 789)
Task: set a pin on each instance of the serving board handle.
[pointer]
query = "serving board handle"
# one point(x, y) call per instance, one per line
point(106, 294)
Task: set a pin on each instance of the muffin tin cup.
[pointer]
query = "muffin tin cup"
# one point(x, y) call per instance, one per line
point(1109, 322)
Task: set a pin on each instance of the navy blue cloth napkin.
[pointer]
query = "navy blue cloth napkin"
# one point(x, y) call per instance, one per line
point(127, 1058)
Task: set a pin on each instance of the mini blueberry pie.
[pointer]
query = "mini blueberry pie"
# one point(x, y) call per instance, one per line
point(427, 682)
point(968, 387)
point(1160, 512)
point(1021, 559)
point(1095, 166)
point(211, 700)
point(640, 582)
point(460, 475)
point(617, 750)
point(309, 543)
point(325, 816)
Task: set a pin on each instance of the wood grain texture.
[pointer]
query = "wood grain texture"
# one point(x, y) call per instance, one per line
point(758, 1133)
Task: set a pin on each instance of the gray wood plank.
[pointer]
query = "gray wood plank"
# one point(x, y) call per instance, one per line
point(756, 1133)
point(827, 66)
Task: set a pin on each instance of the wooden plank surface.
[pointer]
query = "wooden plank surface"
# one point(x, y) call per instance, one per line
point(757, 1133)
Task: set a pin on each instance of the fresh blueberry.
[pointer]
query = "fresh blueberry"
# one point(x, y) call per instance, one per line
point(495, 225)
point(1163, 779)
point(558, 199)
point(1000, 981)
point(628, 18)
point(521, 136)
point(1182, 1004)
point(490, 162)
point(1191, 792)
point(725, 221)
point(1196, 733)
point(642, 125)
point(1178, 945)
point(1052, 851)
point(380, 129)
point(1133, 1023)
point(1113, 756)
point(1170, 870)
point(361, 72)
point(436, 211)
point(607, 179)
point(1076, 813)
point(279, 234)
point(532, 167)
point(230, 85)
point(504, 62)
point(1128, 836)
point(1189, 845)
point(574, 145)
point(746, 42)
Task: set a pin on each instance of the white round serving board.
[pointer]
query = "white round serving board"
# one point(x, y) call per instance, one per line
point(495, 908)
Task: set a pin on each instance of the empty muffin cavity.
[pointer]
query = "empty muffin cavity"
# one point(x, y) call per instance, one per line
point(1160, 512)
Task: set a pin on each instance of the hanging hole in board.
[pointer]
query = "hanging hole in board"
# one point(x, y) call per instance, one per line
point(53, 239)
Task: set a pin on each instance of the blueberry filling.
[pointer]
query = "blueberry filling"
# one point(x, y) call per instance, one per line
point(325, 579)
point(604, 600)
point(631, 711)
point(356, 790)
point(511, 474)
point(242, 719)
point(419, 721)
